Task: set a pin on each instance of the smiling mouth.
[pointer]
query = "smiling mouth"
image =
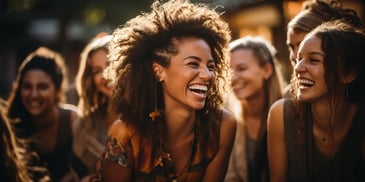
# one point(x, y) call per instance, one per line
point(305, 83)
point(199, 89)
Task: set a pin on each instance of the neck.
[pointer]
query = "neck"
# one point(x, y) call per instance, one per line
point(47, 120)
point(331, 118)
point(179, 124)
point(254, 107)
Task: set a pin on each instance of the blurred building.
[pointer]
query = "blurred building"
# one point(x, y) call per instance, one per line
point(66, 25)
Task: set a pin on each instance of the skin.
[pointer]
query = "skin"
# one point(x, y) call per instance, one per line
point(248, 76)
point(99, 62)
point(293, 39)
point(309, 72)
point(191, 67)
point(38, 95)
point(248, 85)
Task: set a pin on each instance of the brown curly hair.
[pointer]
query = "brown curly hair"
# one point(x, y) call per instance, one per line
point(147, 39)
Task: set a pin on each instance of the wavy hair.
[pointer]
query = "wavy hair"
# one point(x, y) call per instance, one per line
point(89, 97)
point(51, 63)
point(316, 12)
point(343, 45)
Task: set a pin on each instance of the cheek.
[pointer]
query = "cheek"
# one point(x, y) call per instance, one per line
point(97, 80)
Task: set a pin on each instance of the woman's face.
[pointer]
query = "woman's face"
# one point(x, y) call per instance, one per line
point(187, 79)
point(293, 40)
point(309, 70)
point(98, 60)
point(248, 76)
point(38, 92)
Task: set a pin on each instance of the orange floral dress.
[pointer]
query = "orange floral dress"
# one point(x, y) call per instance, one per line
point(127, 149)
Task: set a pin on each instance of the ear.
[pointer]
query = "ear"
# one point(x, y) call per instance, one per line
point(158, 70)
point(268, 69)
point(349, 77)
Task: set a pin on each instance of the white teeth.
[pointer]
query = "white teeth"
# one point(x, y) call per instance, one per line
point(305, 81)
point(203, 88)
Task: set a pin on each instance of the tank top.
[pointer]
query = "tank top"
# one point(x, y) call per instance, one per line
point(307, 164)
point(58, 161)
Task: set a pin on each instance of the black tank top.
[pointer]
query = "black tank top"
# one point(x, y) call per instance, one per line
point(59, 160)
point(307, 164)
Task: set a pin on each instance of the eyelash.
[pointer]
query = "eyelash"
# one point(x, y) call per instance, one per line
point(210, 66)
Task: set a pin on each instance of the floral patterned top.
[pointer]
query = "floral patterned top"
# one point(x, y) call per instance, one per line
point(126, 148)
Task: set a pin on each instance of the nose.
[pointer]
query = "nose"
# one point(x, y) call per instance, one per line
point(299, 66)
point(205, 73)
point(34, 92)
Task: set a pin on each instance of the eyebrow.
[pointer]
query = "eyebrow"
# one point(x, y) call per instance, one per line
point(197, 58)
point(316, 53)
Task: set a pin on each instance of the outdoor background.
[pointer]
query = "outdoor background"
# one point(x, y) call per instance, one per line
point(67, 25)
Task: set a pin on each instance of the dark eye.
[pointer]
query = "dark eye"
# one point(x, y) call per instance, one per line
point(43, 86)
point(26, 86)
point(193, 64)
point(314, 60)
point(211, 66)
point(96, 71)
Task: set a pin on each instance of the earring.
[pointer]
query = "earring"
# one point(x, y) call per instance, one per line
point(156, 113)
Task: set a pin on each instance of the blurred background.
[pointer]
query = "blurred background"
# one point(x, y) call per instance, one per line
point(67, 25)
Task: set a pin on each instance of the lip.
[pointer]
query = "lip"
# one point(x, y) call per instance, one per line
point(203, 87)
point(304, 83)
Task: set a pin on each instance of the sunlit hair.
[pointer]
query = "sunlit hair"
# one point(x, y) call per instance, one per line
point(11, 166)
point(343, 45)
point(89, 97)
point(315, 12)
point(149, 38)
point(46, 60)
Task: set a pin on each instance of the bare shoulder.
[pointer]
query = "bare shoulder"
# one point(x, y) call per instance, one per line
point(228, 125)
point(276, 109)
point(74, 112)
point(228, 118)
point(276, 116)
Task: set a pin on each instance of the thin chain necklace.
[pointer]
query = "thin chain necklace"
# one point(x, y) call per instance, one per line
point(185, 170)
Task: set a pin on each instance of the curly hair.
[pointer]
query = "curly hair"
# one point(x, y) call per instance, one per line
point(149, 38)
point(50, 62)
point(89, 97)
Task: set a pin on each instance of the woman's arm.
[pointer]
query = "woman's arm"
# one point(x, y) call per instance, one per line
point(117, 160)
point(216, 170)
point(276, 143)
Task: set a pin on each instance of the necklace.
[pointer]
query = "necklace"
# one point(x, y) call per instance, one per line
point(185, 170)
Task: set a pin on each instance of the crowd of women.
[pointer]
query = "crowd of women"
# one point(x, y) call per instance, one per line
point(169, 96)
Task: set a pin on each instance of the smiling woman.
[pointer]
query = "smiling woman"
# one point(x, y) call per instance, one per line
point(38, 116)
point(320, 134)
point(169, 67)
